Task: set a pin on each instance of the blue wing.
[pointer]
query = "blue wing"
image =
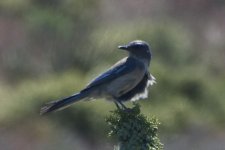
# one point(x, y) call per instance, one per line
point(124, 66)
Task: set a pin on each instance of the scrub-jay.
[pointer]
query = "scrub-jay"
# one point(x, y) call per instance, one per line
point(127, 80)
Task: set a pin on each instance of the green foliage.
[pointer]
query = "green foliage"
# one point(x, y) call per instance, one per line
point(133, 130)
point(43, 40)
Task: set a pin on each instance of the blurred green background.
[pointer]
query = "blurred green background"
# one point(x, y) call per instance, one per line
point(50, 49)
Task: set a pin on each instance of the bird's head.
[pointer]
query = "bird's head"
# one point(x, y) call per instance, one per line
point(138, 48)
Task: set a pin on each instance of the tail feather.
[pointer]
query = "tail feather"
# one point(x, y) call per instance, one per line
point(61, 104)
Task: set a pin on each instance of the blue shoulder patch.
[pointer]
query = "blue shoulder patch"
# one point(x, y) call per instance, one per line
point(123, 67)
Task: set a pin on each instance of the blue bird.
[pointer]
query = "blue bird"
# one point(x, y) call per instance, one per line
point(127, 80)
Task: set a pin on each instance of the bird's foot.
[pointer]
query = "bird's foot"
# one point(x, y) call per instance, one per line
point(120, 106)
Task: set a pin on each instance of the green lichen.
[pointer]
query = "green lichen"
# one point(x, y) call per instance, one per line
point(133, 130)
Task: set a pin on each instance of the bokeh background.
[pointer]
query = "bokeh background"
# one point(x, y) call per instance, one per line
point(51, 48)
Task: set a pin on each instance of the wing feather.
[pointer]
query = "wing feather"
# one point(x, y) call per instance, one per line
point(119, 69)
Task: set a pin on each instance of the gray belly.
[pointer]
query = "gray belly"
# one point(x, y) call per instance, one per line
point(123, 84)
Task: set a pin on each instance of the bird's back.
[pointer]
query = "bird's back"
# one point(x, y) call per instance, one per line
point(119, 79)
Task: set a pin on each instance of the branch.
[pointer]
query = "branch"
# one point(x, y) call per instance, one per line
point(133, 130)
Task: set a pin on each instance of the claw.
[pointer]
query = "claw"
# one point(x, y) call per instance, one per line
point(122, 107)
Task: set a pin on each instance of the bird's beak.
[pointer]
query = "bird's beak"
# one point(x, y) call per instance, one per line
point(124, 47)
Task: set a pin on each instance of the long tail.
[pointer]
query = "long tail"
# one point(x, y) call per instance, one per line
point(61, 104)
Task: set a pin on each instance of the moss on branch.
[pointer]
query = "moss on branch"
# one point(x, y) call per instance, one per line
point(133, 130)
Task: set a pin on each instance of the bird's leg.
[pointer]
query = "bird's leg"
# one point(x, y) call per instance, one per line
point(123, 106)
point(117, 105)
point(120, 105)
point(125, 109)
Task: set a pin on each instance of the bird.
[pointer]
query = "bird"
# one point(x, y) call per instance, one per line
point(126, 80)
